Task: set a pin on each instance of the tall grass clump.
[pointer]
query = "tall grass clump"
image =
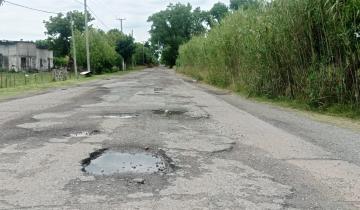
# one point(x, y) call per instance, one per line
point(306, 50)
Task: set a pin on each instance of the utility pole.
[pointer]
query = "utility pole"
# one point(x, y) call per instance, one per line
point(144, 53)
point(121, 23)
point(74, 48)
point(87, 37)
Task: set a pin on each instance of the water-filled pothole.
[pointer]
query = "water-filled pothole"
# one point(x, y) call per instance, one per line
point(118, 116)
point(111, 162)
point(121, 116)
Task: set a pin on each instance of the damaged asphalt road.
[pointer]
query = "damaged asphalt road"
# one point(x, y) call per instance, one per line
point(151, 140)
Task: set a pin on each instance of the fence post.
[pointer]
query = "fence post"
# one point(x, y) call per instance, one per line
point(25, 78)
point(1, 75)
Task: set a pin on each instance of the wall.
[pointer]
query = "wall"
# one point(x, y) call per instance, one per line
point(14, 52)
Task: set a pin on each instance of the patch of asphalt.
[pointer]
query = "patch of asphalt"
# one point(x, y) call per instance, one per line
point(337, 147)
point(341, 142)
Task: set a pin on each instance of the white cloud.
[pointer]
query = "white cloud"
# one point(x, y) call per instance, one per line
point(19, 23)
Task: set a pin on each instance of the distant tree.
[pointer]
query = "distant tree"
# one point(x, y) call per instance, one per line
point(42, 44)
point(114, 36)
point(199, 20)
point(143, 54)
point(103, 55)
point(126, 47)
point(219, 11)
point(173, 27)
point(244, 4)
point(59, 31)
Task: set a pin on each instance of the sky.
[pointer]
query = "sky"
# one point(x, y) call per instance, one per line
point(17, 23)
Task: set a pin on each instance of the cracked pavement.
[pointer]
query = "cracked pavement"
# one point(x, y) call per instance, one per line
point(228, 152)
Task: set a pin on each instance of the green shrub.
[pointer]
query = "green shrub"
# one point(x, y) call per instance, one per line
point(300, 49)
point(61, 61)
point(103, 56)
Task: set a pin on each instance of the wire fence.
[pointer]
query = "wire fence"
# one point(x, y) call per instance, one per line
point(13, 80)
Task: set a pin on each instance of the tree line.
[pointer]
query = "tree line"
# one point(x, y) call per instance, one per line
point(306, 50)
point(109, 50)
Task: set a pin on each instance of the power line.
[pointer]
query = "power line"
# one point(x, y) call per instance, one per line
point(93, 13)
point(30, 8)
point(104, 6)
point(97, 18)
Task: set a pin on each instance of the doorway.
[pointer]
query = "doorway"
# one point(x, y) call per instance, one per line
point(23, 63)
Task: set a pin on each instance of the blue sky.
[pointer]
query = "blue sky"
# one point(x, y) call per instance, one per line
point(18, 23)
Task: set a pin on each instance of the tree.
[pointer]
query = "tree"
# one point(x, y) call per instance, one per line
point(103, 55)
point(114, 36)
point(42, 44)
point(244, 4)
point(59, 31)
point(219, 11)
point(143, 55)
point(173, 27)
point(126, 47)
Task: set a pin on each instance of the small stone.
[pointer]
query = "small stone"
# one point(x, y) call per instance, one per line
point(139, 180)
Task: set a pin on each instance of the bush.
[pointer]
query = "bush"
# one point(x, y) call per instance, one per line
point(103, 56)
point(61, 62)
point(301, 49)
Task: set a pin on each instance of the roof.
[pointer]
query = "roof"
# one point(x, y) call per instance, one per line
point(7, 42)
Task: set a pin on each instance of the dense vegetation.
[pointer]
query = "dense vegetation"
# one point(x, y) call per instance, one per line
point(103, 55)
point(108, 50)
point(173, 27)
point(307, 50)
point(58, 29)
point(178, 23)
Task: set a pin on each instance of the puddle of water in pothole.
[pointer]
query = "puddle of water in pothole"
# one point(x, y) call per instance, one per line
point(118, 116)
point(124, 116)
point(109, 162)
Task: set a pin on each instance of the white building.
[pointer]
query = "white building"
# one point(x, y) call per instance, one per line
point(23, 56)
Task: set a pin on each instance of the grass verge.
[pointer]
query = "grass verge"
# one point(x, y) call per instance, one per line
point(18, 91)
point(341, 112)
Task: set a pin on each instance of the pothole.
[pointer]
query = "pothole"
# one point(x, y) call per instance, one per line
point(167, 112)
point(182, 96)
point(182, 113)
point(157, 90)
point(118, 116)
point(84, 134)
point(111, 162)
